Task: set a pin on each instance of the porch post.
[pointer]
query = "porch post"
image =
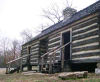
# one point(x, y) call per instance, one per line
point(62, 60)
point(42, 63)
point(7, 69)
point(21, 68)
point(50, 65)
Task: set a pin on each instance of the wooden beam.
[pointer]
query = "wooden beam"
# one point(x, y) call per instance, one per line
point(88, 34)
point(85, 42)
point(85, 39)
point(50, 65)
point(54, 40)
point(86, 48)
point(21, 63)
point(86, 55)
point(56, 44)
point(94, 60)
point(84, 24)
point(93, 26)
point(62, 60)
point(7, 69)
point(19, 58)
point(99, 26)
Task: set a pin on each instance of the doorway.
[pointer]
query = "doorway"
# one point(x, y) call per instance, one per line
point(43, 47)
point(29, 52)
point(29, 59)
point(65, 40)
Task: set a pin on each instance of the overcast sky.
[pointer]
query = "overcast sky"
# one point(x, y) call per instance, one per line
point(17, 15)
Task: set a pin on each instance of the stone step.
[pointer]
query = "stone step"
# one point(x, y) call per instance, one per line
point(73, 75)
point(30, 73)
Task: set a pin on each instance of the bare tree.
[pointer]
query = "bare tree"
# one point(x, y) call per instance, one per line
point(9, 50)
point(26, 35)
point(54, 13)
point(41, 27)
point(16, 49)
point(4, 45)
point(5, 48)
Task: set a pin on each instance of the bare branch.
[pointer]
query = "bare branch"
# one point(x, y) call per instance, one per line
point(54, 14)
point(26, 35)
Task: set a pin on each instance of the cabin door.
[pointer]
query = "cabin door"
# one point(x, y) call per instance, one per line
point(65, 40)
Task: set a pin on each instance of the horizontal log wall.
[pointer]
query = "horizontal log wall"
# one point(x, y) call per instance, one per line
point(85, 39)
point(24, 52)
point(54, 42)
point(35, 53)
point(34, 50)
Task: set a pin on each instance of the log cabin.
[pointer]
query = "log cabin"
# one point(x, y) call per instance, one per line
point(72, 44)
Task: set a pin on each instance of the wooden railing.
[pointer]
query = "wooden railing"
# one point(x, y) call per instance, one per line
point(17, 61)
point(52, 56)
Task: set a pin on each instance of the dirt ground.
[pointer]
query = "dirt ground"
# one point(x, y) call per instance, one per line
point(39, 77)
point(2, 70)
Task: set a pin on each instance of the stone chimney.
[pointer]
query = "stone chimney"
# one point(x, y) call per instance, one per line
point(68, 12)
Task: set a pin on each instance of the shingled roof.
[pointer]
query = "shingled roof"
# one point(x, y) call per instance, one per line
point(85, 12)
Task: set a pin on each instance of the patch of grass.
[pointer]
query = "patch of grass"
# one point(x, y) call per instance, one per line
point(70, 78)
point(73, 78)
point(38, 81)
point(44, 78)
point(92, 80)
